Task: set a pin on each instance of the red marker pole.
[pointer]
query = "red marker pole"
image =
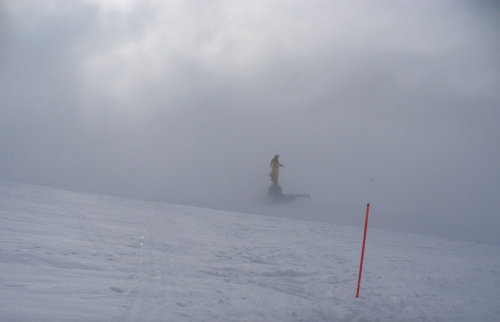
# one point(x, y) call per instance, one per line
point(363, 249)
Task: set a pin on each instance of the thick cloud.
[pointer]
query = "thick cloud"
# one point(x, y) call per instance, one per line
point(388, 102)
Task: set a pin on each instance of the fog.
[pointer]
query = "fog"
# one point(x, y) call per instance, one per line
point(392, 103)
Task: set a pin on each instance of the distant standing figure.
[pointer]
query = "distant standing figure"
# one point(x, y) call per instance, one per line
point(275, 164)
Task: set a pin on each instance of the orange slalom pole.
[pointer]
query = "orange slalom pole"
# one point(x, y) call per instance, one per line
point(363, 249)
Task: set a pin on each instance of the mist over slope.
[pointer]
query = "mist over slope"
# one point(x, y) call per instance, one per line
point(395, 103)
point(67, 256)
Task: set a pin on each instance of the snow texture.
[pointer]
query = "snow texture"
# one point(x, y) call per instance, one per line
point(67, 256)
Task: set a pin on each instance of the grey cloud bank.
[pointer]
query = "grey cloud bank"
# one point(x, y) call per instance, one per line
point(188, 101)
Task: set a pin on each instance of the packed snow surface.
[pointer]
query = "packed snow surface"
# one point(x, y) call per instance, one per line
point(67, 256)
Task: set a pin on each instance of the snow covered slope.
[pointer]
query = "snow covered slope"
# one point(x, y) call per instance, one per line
point(68, 256)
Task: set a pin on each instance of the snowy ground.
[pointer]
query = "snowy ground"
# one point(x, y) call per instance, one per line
point(67, 256)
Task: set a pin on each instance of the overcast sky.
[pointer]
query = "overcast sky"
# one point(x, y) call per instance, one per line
point(391, 102)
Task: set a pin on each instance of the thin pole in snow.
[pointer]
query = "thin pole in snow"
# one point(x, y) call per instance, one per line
point(363, 249)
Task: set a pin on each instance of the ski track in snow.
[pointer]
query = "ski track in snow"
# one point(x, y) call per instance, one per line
point(68, 256)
